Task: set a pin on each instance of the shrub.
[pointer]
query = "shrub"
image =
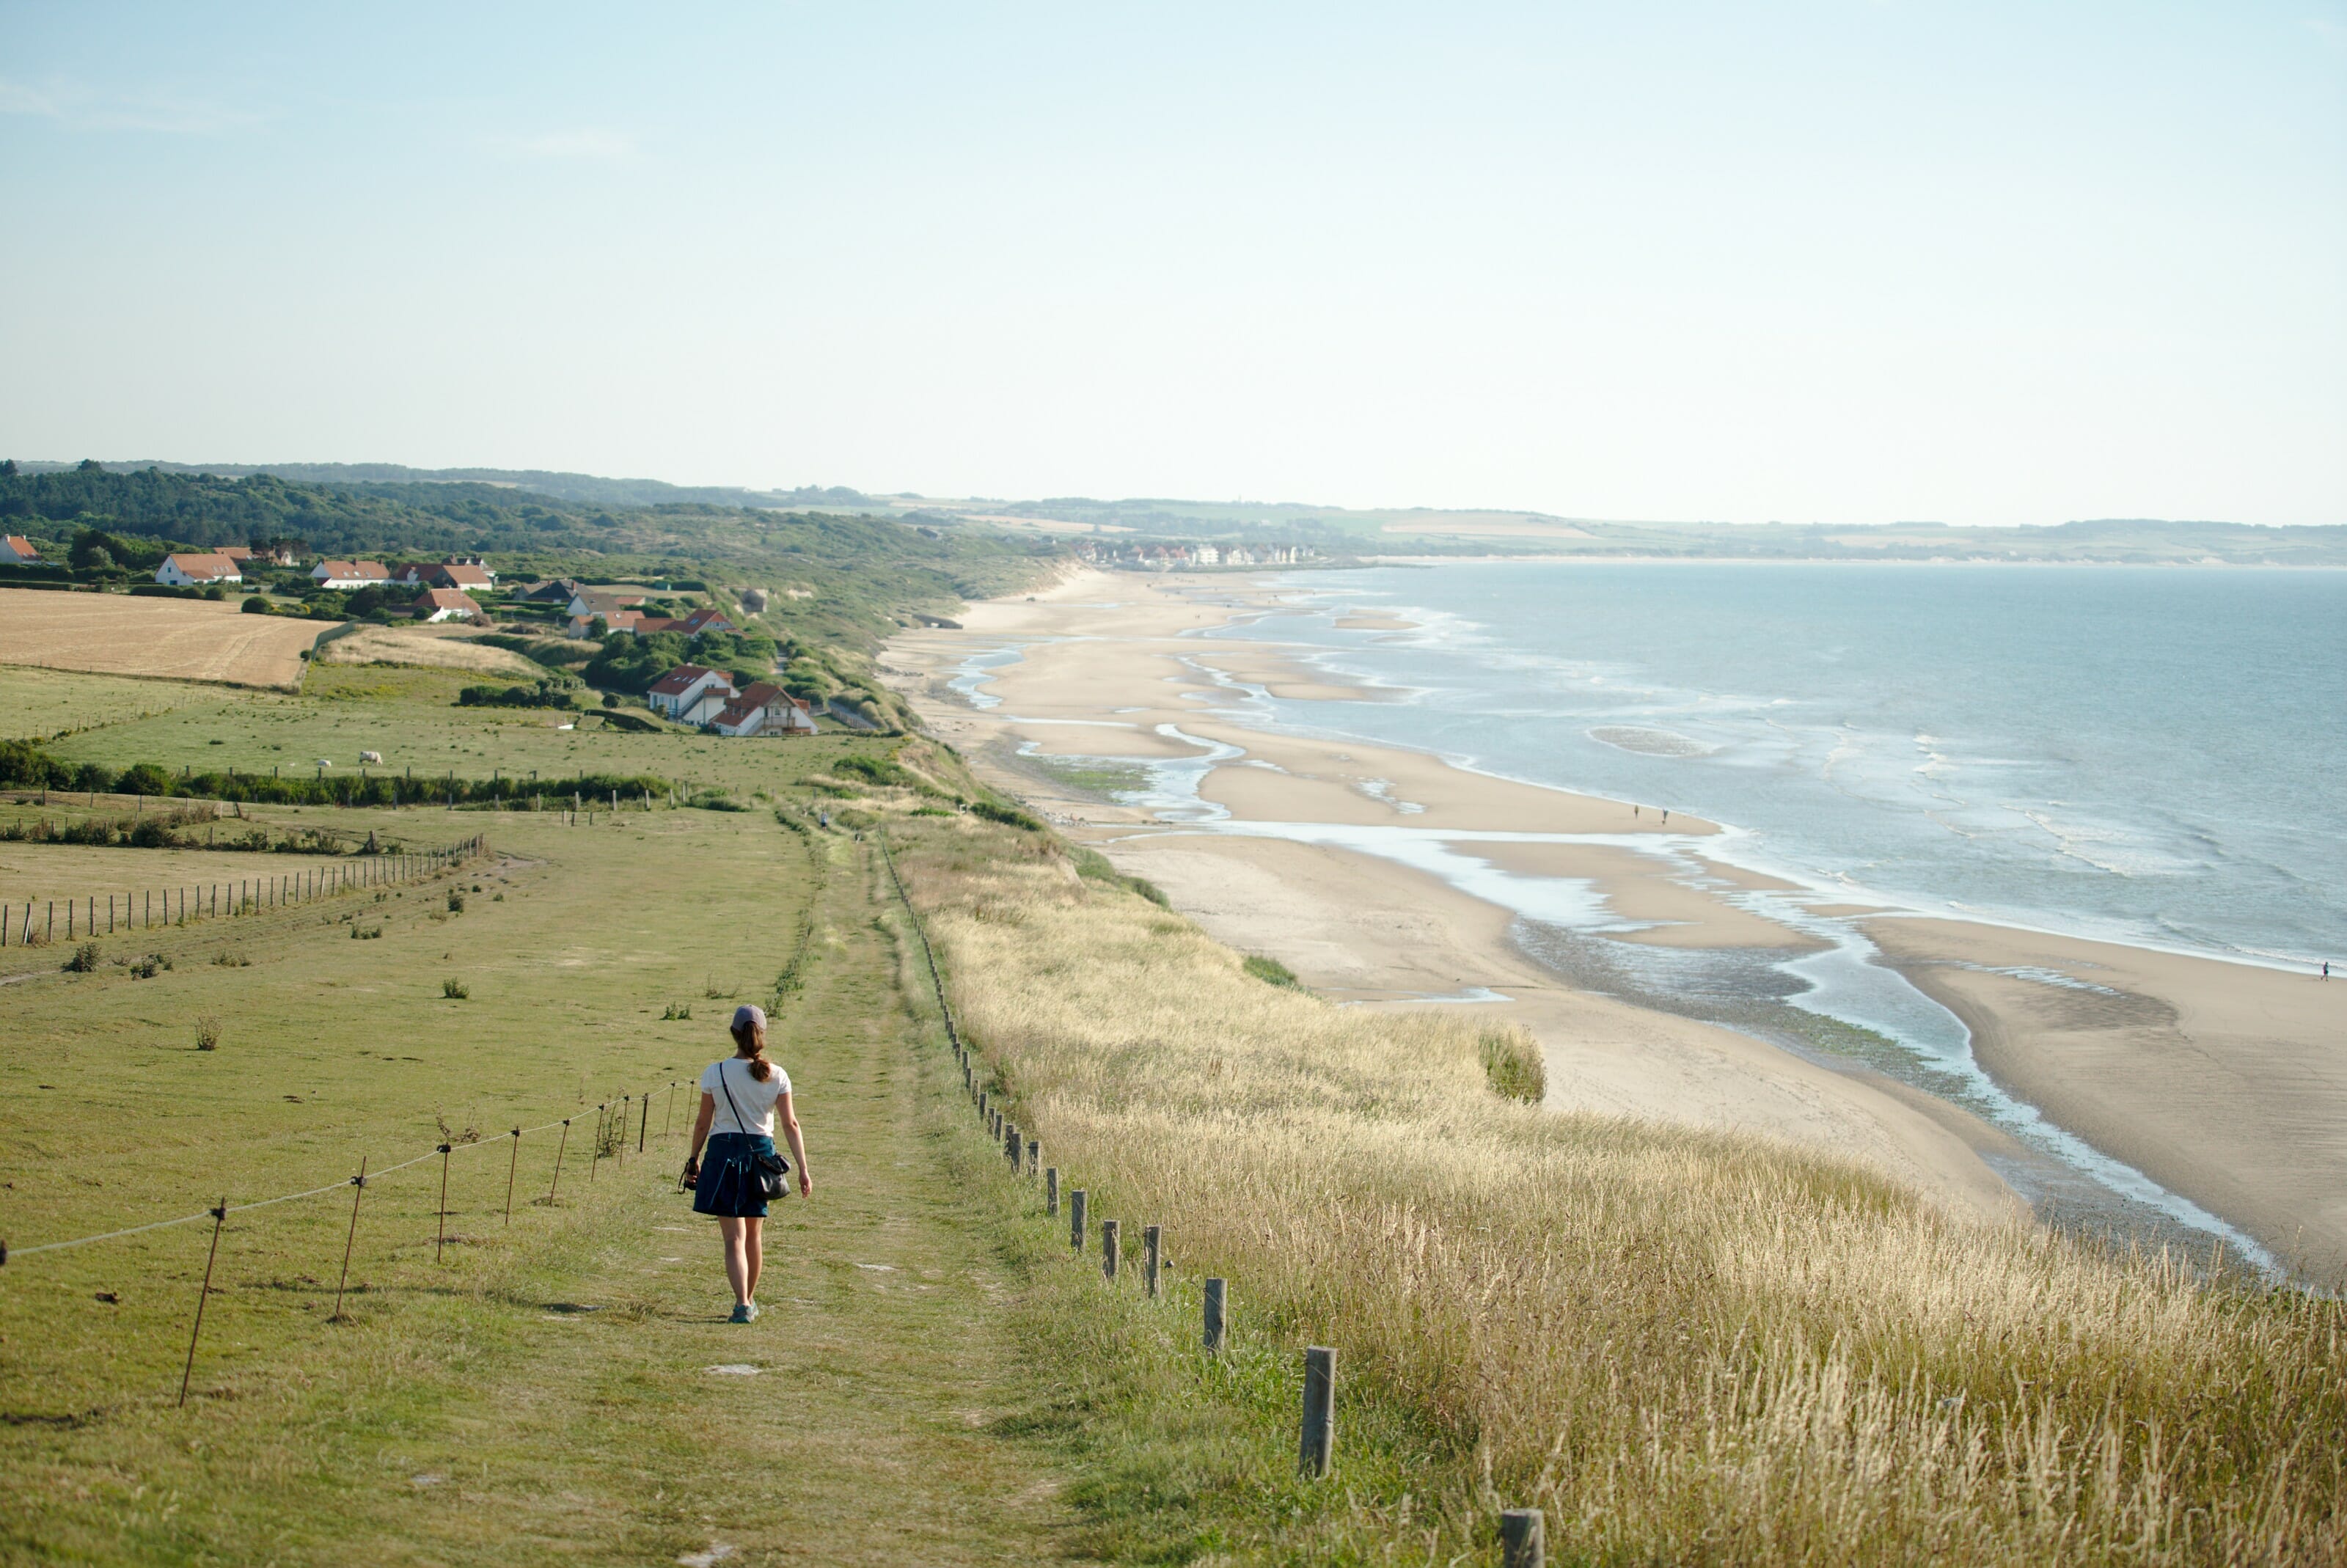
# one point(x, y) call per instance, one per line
point(455, 903)
point(1270, 971)
point(208, 1033)
point(84, 959)
point(455, 989)
point(256, 605)
point(1009, 817)
point(1512, 1064)
point(148, 968)
point(233, 961)
point(677, 1011)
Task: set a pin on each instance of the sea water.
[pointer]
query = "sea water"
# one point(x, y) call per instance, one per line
point(2144, 755)
point(2152, 755)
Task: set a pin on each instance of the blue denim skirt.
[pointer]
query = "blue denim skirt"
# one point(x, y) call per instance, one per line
point(728, 1185)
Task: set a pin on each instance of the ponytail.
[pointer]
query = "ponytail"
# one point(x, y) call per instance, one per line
point(746, 1044)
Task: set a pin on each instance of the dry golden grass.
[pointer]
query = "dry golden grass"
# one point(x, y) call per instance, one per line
point(425, 646)
point(177, 638)
point(1686, 1346)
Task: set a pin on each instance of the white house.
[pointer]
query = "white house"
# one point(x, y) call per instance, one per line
point(194, 571)
point(16, 550)
point(1206, 555)
point(687, 694)
point(349, 573)
point(764, 709)
point(445, 604)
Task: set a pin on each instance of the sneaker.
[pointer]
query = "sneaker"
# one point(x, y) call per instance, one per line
point(743, 1312)
point(753, 1312)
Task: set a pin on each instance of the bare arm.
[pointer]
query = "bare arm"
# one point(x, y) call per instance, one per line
point(701, 1130)
point(789, 1124)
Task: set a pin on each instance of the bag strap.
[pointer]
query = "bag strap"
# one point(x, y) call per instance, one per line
point(738, 1122)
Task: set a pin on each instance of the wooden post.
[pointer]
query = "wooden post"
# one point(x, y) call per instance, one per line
point(358, 1191)
point(1034, 1155)
point(513, 1164)
point(626, 1101)
point(668, 1107)
point(219, 1218)
point(1051, 1191)
point(1151, 1235)
point(1523, 1538)
point(1216, 1296)
point(557, 1185)
point(440, 1240)
point(644, 1124)
point(595, 1158)
point(981, 1093)
point(1315, 1450)
point(1011, 1146)
point(1111, 1233)
point(1076, 1219)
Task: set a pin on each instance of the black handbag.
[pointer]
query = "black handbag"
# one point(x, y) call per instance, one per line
point(766, 1170)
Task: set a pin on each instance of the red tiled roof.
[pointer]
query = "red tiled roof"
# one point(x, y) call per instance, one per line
point(677, 680)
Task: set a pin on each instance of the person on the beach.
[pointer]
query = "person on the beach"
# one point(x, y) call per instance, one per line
point(741, 1099)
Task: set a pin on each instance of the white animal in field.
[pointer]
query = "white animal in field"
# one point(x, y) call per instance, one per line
point(369, 756)
point(326, 762)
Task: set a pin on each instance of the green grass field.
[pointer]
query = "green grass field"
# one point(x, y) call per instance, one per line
point(541, 1388)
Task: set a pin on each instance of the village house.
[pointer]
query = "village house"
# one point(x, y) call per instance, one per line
point(764, 709)
point(554, 590)
point(350, 574)
point(445, 604)
point(16, 550)
point(690, 694)
point(466, 576)
point(193, 570)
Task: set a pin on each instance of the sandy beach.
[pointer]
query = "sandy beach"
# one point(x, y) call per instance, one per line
point(1389, 878)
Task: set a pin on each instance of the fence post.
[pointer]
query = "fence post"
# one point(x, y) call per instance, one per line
point(1051, 1191)
point(1315, 1450)
point(513, 1165)
point(1010, 1145)
point(1523, 1538)
point(1149, 1237)
point(358, 1191)
point(668, 1108)
point(1215, 1298)
point(1111, 1233)
point(644, 1124)
point(1076, 1219)
point(565, 1143)
point(1034, 1155)
point(626, 1103)
point(219, 1218)
point(595, 1158)
point(442, 1238)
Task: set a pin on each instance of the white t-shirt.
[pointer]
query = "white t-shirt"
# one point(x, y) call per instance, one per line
point(755, 1099)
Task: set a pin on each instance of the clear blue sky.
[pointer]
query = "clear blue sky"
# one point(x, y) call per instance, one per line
point(1847, 262)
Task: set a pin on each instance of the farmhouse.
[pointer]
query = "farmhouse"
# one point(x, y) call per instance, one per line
point(467, 576)
point(16, 550)
point(690, 694)
point(445, 604)
point(764, 709)
point(349, 573)
point(190, 571)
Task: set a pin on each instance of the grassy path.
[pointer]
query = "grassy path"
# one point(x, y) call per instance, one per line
point(546, 1394)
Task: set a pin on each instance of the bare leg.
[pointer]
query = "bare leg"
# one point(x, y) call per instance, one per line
point(737, 1269)
point(753, 1251)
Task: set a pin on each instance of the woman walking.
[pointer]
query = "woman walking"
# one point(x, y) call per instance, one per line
point(740, 1100)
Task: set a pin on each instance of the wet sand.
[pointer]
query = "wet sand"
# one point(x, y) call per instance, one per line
point(1113, 666)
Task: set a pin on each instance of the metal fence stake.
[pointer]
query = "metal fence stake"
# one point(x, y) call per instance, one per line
point(513, 1165)
point(1317, 1442)
point(358, 1191)
point(442, 1239)
point(1523, 1539)
point(219, 1218)
point(557, 1185)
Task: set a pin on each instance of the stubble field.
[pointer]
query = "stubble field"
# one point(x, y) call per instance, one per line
point(173, 638)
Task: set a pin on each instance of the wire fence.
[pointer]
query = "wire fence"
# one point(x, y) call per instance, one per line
point(34, 923)
point(1521, 1531)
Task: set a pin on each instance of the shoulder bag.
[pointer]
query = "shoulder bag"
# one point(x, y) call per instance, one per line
point(766, 1170)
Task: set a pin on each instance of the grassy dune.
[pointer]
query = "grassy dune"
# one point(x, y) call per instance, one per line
point(1687, 1347)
